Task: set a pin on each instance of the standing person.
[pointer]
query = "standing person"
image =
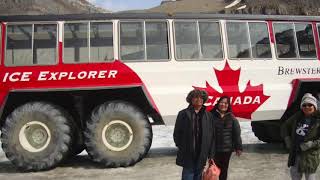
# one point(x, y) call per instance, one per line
point(301, 135)
point(228, 135)
point(318, 102)
point(194, 136)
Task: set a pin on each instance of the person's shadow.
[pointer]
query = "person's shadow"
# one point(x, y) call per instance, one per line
point(265, 148)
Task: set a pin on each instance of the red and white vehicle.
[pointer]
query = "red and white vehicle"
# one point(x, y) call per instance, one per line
point(100, 81)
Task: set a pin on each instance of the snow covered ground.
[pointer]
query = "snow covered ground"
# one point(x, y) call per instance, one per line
point(162, 135)
point(259, 161)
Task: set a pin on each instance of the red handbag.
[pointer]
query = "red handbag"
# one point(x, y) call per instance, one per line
point(211, 171)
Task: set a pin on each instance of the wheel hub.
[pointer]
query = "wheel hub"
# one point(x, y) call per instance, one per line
point(34, 136)
point(117, 135)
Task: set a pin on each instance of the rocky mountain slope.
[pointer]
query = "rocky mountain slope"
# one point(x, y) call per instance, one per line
point(30, 7)
point(284, 7)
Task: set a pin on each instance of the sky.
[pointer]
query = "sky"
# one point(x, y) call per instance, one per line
point(120, 5)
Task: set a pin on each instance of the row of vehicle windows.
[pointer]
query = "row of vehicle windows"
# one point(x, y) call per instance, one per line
point(37, 43)
point(28, 44)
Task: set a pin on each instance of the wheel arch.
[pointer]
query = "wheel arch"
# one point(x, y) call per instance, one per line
point(80, 102)
point(299, 88)
point(18, 98)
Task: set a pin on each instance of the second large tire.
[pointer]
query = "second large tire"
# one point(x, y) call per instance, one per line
point(118, 134)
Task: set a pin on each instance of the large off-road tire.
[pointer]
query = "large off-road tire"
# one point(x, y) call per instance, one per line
point(267, 131)
point(36, 136)
point(117, 134)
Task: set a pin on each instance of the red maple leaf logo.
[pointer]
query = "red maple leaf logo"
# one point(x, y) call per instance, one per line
point(243, 103)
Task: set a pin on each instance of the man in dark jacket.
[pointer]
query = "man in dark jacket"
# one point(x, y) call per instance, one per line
point(194, 136)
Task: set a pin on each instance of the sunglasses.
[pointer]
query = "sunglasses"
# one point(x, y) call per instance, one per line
point(307, 105)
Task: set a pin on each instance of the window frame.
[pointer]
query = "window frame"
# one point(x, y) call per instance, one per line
point(168, 40)
point(296, 40)
point(249, 39)
point(63, 41)
point(294, 36)
point(317, 24)
point(221, 40)
point(32, 38)
point(89, 39)
point(268, 32)
point(227, 40)
point(314, 41)
point(143, 21)
point(198, 39)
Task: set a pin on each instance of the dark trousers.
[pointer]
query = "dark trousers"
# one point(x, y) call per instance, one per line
point(222, 161)
point(191, 174)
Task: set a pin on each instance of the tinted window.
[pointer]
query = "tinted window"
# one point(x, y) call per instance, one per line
point(19, 45)
point(238, 40)
point(210, 40)
point(186, 39)
point(132, 41)
point(260, 43)
point(45, 43)
point(285, 40)
point(157, 40)
point(76, 42)
point(305, 40)
point(101, 41)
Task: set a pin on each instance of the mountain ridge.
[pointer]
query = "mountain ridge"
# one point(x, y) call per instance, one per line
point(41, 7)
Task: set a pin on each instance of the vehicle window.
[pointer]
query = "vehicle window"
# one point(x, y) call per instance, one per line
point(260, 43)
point(306, 46)
point(76, 42)
point(210, 40)
point(19, 45)
point(318, 26)
point(186, 39)
point(157, 40)
point(285, 40)
point(132, 41)
point(238, 40)
point(45, 44)
point(101, 41)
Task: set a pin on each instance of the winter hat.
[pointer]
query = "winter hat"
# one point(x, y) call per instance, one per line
point(309, 99)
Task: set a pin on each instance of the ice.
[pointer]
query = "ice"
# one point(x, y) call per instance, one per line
point(163, 135)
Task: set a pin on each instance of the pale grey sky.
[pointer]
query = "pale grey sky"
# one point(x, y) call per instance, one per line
point(120, 5)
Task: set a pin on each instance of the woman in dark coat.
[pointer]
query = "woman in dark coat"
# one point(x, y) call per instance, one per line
point(301, 135)
point(227, 135)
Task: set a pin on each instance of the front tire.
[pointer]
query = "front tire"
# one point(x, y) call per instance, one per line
point(118, 134)
point(36, 136)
